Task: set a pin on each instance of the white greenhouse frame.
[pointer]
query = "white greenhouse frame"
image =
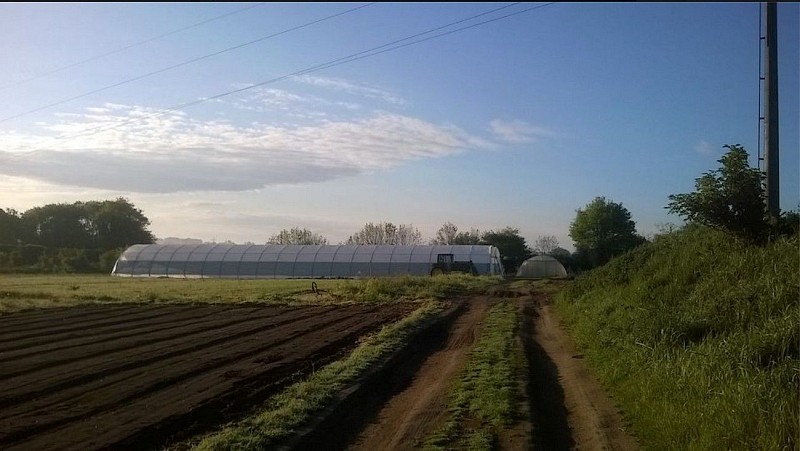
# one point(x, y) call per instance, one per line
point(295, 261)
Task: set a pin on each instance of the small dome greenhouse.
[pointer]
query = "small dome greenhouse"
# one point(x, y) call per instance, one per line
point(541, 266)
point(288, 261)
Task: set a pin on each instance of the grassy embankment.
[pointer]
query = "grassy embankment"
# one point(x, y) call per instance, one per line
point(483, 399)
point(19, 292)
point(696, 336)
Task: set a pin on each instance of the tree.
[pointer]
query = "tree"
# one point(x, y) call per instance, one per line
point(296, 235)
point(12, 229)
point(602, 230)
point(545, 244)
point(565, 258)
point(511, 245)
point(60, 225)
point(471, 237)
point(88, 225)
point(387, 233)
point(446, 234)
point(730, 198)
point(118, 223)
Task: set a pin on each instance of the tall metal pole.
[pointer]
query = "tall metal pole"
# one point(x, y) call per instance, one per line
point(771, 163)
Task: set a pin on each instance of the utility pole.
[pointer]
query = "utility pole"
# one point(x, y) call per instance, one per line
point(771, 163)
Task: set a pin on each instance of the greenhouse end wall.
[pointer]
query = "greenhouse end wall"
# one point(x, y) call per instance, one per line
point(295, 261)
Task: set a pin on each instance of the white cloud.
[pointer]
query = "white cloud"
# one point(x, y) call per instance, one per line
point(174, 152)
point(703, 148)
point(349, 87)
point(517, 131)
point(303, 106)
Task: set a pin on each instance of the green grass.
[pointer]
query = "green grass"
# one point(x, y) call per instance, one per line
point(696, 335)
point(483, 399)
point(19, 292)
point(290, 409)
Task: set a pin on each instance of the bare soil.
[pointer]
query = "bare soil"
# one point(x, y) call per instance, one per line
point(140, 377)
point(569, 408)
point(411, 415)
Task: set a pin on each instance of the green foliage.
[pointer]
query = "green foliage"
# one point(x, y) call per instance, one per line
point(472, 237)
point(82, 225)
point(12, 229)
point(787, 224)
point(69, 237)
point(697, 335)
point(601, 230)
point(117, 224)
point(296, 235)
point(565, 258)
point(730, 198)
point(512, 246)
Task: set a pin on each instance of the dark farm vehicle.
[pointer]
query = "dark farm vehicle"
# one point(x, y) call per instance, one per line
point(445, 264)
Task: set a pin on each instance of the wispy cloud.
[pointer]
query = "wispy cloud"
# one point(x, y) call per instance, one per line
point(297, 105)
point(350, 87)
point(174, 152)
point(517, 131)
point(703, 148)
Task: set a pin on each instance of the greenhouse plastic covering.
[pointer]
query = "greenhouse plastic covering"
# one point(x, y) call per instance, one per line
point(541, 266)
point(287, 261)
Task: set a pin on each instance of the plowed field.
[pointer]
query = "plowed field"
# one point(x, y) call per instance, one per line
point(139, 377)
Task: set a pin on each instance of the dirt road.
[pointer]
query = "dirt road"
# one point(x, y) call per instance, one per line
point(563, 406)
point(410, 415)
point(569, 408)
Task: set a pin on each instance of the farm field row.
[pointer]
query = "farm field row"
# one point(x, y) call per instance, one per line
point(138, 376)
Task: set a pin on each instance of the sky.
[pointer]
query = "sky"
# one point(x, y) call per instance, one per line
point(516, 122)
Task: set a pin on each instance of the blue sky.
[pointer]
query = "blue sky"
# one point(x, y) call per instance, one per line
point(518, 122)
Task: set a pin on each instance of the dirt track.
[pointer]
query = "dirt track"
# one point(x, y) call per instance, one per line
point(569, 408)
point(138, 377)
point(563, 406)
point(409, 416)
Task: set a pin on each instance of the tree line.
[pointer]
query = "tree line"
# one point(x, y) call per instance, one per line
point(76, 237)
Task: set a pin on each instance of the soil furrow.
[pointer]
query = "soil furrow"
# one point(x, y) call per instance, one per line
point(233, 376)
point(79, 371)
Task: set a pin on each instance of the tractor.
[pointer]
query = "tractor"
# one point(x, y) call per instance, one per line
point(445, 264)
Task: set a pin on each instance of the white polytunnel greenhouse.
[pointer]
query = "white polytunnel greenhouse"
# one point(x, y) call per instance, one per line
point(287, 261)
point(541, 266)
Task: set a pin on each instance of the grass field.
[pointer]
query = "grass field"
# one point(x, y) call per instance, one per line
point(20, 292)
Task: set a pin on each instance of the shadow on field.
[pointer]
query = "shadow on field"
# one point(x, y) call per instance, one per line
point(548, 415)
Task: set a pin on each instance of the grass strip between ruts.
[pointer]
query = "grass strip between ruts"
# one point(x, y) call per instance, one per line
point(483, 399)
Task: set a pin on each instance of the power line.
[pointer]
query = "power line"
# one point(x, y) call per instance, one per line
point(184, 63)
point(388, 47)
point(130, 46)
